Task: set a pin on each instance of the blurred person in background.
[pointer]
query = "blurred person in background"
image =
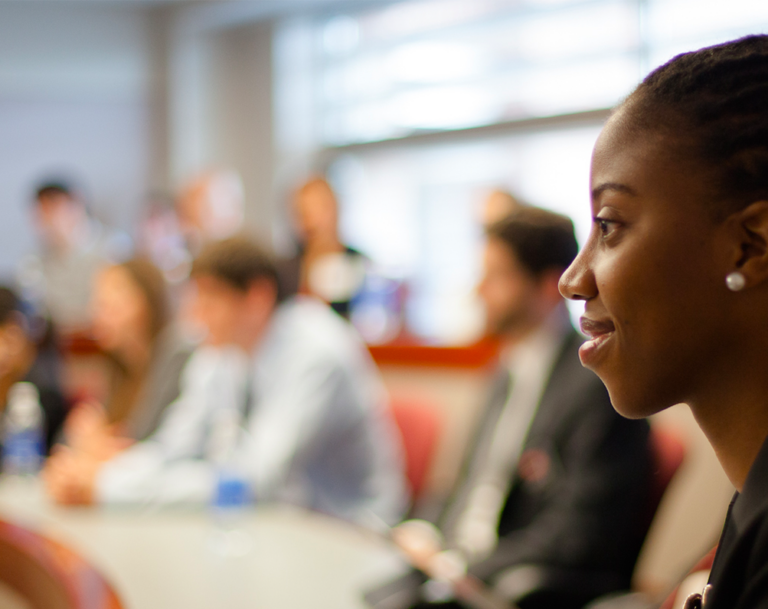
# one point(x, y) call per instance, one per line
point(497, 205)
point(210, 207)
point(27, 354)
point(159, 237)
point(74, 247)
point(312, 425)
point(551, 506)
point(325, 267)
point(131, 322)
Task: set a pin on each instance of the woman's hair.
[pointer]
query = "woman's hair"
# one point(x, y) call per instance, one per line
point(152, 284)
point(714, 101)
point(127, 384)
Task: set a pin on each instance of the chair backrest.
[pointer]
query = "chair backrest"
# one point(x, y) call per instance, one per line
point(703, 566)
point(420, 426)
point(668, 454)
point(48, 575)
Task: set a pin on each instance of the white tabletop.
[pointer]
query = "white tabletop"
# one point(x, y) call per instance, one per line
point(166, 559)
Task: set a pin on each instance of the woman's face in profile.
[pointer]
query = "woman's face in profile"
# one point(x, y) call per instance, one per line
point(120, 312)
point(652, 272)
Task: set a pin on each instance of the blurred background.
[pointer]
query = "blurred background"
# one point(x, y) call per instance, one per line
point(415, 110)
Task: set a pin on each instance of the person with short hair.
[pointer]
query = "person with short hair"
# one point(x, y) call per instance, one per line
point(497, 205)
point(314, 425)
point(325, 267)
point(674, 277)
point(74, 247)
point(210, 207)
point(551, 506)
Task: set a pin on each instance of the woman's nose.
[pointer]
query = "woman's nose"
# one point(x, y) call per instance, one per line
point(578, 280)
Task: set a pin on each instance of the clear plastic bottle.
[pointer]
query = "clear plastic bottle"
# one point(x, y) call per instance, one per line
point(23, 431)
point(232, 497)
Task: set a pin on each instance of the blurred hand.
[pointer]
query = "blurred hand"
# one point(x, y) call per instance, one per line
point(89, 433)
point(69, 477)
point(420, 541)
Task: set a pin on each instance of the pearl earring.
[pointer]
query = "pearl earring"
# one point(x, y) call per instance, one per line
point(735, 281)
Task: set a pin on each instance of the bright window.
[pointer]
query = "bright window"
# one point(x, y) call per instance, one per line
point(427, 66)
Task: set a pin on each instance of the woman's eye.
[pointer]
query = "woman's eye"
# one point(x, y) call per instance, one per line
point(606, 227)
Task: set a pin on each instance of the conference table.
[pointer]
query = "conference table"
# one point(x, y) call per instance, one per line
point(172, 558)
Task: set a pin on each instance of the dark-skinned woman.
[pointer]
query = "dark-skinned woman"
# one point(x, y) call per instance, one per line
point(675, 276)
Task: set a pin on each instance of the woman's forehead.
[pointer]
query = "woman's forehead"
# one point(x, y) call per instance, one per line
point(649, 165)
point(625, 146)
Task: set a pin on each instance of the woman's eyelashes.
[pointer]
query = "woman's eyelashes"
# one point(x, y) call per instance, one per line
point(605, 226)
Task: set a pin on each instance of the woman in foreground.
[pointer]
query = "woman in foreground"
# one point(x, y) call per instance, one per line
point(675, 276)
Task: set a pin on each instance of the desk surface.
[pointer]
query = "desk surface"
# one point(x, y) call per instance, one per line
point(165, 559)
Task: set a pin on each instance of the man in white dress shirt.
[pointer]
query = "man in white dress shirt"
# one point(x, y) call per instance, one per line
point(314, 425)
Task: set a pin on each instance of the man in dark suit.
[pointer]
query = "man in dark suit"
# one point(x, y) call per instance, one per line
point(551, 506)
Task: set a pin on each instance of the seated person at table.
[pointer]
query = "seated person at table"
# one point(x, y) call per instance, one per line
point(131, 322)
point(315, 430)
point(25, 356)
point(550, 508)
point(73, 247)
point(324, 267)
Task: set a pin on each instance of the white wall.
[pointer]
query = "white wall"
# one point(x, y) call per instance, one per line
point(241, 116)
point(77, 88)
point(220, 108)
point(128, 98)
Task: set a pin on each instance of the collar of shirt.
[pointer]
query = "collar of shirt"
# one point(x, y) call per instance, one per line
point(539, 349)
point(751, 501)
point(279, 324)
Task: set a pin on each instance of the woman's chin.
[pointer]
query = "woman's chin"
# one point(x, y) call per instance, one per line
point(630, 407)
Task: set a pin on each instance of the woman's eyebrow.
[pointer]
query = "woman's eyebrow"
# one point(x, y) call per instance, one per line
point(623, 188)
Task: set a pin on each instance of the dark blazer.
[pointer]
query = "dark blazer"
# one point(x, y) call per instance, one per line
point(582, 506)
point(739, 576)
point(577, 505)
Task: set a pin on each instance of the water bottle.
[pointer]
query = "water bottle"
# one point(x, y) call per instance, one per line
point(23, 427)
point(232, 496)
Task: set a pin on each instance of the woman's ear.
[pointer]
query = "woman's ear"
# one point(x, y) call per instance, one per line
point(752, 223)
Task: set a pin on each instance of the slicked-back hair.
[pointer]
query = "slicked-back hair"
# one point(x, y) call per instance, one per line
point(714, 101)
point(239, 262)
point(541, 240)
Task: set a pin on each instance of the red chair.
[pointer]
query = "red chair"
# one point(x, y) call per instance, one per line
point(48, 575)
point(420, 425)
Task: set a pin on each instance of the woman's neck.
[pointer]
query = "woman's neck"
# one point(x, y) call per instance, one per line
point(325, 244)
point(734, 417)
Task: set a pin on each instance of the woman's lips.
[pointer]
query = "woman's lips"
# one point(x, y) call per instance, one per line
point(598, 331)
